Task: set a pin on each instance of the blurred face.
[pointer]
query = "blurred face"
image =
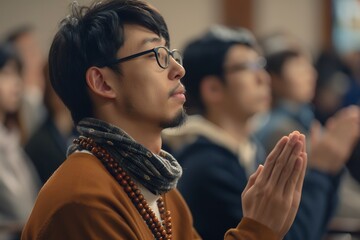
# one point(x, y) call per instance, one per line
point(146, 92)
point(247, 83)
point(10, 88)
point(298, 80)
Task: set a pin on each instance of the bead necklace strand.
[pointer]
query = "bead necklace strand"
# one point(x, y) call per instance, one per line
point(161, 231)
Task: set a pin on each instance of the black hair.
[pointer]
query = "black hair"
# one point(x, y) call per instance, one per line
point(91, 36)
point(275, 62)
point(8, 53)
point(18, 32)
point(205, 56)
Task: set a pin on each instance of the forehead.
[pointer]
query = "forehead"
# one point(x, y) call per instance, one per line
point(240, 53)
point(138, 38)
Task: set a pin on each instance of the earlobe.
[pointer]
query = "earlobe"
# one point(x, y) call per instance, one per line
point(96, 81)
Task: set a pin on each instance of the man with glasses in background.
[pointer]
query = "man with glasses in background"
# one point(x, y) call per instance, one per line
point(111, 66)
point(227, 86)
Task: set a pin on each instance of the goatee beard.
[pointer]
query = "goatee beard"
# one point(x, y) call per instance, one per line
point(175, 122)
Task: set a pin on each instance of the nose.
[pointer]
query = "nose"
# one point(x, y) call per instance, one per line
point(176, 70)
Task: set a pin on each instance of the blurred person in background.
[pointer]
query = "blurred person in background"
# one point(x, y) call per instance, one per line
point(19, 182)
point(293, 82)
point(227, 86)
point(48, 144)
point(25, 41)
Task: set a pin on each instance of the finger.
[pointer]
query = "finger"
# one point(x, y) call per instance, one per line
point(253, 178)
point(296, 195)
point(295, 181)
point(299, 184)
point(284, 157)
point(303, 140)
point(271, 159)
point(287, 171)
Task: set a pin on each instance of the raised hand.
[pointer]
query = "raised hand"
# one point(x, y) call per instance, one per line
point(332, 147)
point(272, 195)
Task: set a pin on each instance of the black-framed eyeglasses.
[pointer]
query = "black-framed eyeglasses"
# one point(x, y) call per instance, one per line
point(162, 55)
point(256, 65)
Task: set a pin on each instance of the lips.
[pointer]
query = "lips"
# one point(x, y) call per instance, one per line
point(178, 92)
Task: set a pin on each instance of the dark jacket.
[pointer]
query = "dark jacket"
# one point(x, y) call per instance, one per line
point(214, 177)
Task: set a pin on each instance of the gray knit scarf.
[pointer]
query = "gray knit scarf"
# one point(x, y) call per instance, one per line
point(158, 173)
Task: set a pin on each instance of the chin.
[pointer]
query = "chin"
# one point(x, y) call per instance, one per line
point(176, 121)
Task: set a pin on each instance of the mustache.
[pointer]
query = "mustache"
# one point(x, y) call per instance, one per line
point(173, 91)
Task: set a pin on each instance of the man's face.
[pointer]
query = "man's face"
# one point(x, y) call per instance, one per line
point(298, 80)
point(248, 87)
point(10, 88)
point(146, 92)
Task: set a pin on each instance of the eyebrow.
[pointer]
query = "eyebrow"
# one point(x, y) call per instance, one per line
point(150, 40)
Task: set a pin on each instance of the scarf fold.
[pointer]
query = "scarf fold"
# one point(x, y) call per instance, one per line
point(158, 173)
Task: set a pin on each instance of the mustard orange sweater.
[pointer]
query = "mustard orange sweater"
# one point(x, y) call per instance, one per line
point(83, 201)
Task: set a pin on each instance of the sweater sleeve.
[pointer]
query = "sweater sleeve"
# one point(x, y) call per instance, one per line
point(85, 223)
point(249, 229)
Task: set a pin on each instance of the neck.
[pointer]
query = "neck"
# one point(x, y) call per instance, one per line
point(235, 127)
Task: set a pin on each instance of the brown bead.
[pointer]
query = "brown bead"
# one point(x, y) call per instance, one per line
point(158, 224)
point(94, 150)
point(146, 217)
point(142, 211)
point(123, 183)
point(160, 203)
point(159, 231)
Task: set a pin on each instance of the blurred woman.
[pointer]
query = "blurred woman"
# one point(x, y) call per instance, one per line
point(19, 182)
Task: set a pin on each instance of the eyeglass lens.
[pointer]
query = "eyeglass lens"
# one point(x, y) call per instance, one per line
point(163, 56)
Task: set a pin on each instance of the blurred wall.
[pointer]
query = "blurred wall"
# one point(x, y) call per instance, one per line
point(185, 18)
point(302, 18)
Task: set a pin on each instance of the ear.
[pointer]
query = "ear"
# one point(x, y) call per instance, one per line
point(96, 81)
point(211, 90)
